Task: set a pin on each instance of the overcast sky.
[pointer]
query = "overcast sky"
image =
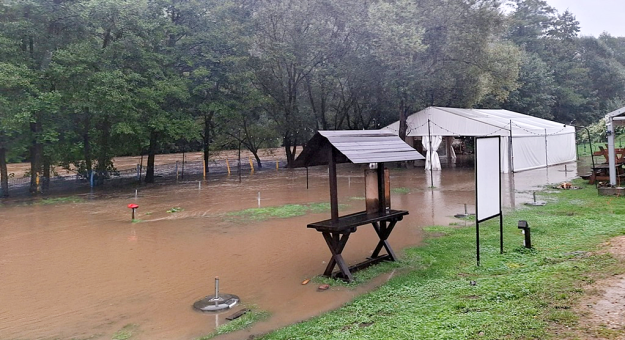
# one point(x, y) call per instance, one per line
point(595, 16)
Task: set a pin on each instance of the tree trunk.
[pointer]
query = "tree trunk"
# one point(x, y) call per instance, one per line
point(403, 125)
point(4, 173)
point(86, 144)
point(36, 151)
point(255, 153)
point(45, 179)
point(206, 140)
point(149, 172)
point(290, 156)
point(103, 154)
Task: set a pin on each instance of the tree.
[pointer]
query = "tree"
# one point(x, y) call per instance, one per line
point(535, 95)
point(293, 38)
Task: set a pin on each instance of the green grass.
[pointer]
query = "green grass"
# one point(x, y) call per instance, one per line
point(243, 322)
point(520, 294)
point(400, 190)
point(125, 333)
point(61, 200)
point(283, 211)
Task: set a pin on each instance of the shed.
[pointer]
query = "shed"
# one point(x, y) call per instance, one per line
point(612, 119)
point(360, 147)
point(355, 146)
point(527, 142)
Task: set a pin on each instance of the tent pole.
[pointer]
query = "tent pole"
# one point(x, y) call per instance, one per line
point(546, 151)
point(510, 152)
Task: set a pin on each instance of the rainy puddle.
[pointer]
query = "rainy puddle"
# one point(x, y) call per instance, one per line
point(82, 269)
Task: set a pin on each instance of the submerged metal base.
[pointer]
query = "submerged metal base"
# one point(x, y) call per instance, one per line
point(463, 215)
point(536, 203)
point(219, 304)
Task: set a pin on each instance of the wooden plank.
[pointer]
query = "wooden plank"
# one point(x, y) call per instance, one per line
point(362, 265)
point(237, 314)
point(360, 159)
point(352, 221)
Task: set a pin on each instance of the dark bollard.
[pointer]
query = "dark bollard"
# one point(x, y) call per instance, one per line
point(526, 231)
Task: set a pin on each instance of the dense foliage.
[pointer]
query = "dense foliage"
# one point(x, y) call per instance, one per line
point(82, 81)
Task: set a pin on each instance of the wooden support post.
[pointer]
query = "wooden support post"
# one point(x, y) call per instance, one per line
point(334, 201)
point(381, 188)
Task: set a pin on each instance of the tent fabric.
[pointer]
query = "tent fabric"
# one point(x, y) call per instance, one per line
point(451, 150)
point(432, 156)
point(533, 142)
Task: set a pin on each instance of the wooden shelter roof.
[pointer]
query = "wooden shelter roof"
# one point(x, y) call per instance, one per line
point(356, 146)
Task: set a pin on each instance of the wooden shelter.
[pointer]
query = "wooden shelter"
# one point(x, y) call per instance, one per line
point(359, 147)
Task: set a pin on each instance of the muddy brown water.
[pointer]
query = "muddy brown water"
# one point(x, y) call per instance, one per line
point(83, 270)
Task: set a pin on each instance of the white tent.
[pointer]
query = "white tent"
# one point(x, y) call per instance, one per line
point(527, 142)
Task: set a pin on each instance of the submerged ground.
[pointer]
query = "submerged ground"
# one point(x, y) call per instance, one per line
point(93, 273)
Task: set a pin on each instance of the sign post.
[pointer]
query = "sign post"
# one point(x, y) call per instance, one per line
point(487, 186)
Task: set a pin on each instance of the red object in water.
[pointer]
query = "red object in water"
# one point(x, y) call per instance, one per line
point(133, 206)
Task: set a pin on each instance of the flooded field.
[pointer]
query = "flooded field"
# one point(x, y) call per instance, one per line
point(81, 269)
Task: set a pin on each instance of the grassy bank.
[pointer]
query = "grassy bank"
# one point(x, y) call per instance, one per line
point(522, 294)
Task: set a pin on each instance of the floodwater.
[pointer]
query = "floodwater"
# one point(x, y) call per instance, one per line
point(81, 270)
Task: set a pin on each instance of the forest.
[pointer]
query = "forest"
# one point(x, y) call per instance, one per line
point(83, 81)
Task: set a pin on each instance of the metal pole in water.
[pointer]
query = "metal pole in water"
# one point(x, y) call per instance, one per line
point(136, 193)
point(216, 290)
point(259, 199)
point(465, 209)
point(199, 185)
point(534, 193)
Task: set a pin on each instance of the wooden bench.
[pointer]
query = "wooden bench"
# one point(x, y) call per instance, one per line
point(336, 234)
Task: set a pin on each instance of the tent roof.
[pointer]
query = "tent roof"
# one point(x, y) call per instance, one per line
point(445, 121)
point(356, 146)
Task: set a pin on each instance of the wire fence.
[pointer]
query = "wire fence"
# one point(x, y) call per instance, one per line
point(189, 170)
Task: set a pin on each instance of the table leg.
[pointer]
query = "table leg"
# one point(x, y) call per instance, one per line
point(384, 232)
point(336, 242)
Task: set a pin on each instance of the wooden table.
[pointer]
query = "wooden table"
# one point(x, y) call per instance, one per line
point(336, 233)
point(601, 172)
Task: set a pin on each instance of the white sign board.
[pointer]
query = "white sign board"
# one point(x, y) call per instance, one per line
point(487, 177)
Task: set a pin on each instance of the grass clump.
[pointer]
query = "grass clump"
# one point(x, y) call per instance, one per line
point(61, 200)
point(125, 333)
point(246, 320)
point(283, 211)
point(521, 294)
point(401, 190)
